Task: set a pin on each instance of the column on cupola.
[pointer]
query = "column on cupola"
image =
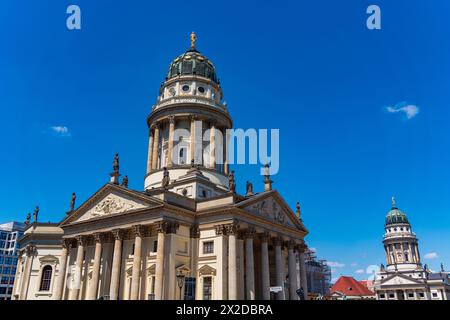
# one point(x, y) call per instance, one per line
point(226, 136)
point(116, 264)
point(170, 142)
point(388, 256)
point(279, 267)
point(155, 151)
point(292, 271)
point(212, 145)
point(265, 271)
point(75, 291)
point(249, 264)
point(150, 150)
point(192, 141)
point(137, 262)
point(59, 285)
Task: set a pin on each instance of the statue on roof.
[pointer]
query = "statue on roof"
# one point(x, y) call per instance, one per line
point(166, 179)
point(249, 188)
point(116, 163)
point(72, 201)
point(231, 182)
point(297, 209)
point(36, 213)
point(125, 182)
point(27, 221)
point(193, 39)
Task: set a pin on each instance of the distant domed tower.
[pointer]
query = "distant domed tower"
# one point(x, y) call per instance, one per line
point(400, 243)
point(187, 130)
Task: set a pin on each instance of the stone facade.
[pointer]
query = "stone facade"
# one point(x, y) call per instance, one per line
point(188, 234)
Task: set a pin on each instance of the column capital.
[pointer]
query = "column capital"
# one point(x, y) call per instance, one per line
point(220, 230)
point(118, 234)
point(291, 244)
point(154, 125)
point(301, 248)
point(231, 228)
point(193, 117)
point(212, 122)
point(249, 233)
point(172, 227)
point(265, 236)
point(278, 241)
point(160, 226)
point(98, 237)
point(171, 119)
point(66, 243)
point(81, 240)
point(137, 230)
point(195, 231)
point(30, 250)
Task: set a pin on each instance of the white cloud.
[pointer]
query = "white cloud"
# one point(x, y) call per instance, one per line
point(61, 131)
point(335, 264)
point(354, 264)
point(408, 109)
point(431, 255)
point(360, 271)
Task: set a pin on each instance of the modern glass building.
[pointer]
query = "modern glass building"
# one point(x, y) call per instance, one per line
point(9, 234)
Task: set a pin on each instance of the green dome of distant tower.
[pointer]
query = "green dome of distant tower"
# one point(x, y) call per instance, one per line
point(395, 215)
point(192, 62)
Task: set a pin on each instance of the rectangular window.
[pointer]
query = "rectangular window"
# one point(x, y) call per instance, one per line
point(189, 289)
point(382, 296)
point(208, 247)
point(391, 296)
point(434, 295)
point(421, 294)
point(410, 295)
point(155, 246)
point(207, 288)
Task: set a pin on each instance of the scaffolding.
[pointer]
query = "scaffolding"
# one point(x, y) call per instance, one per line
point(318, 273)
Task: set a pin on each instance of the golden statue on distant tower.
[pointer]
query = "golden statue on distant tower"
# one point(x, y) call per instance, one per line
point(193, 39)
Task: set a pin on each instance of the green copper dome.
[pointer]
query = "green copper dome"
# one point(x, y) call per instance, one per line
point(395, 215)
point(192, 62)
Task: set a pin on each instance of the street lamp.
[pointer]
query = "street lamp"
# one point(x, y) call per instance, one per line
point(180, 281)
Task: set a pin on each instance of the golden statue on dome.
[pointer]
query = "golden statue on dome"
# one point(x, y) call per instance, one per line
point(193, 39)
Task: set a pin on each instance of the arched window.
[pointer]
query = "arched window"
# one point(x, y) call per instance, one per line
point(46, 278)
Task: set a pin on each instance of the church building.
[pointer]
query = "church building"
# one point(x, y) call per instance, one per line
point(404, 277)
point(188, 234)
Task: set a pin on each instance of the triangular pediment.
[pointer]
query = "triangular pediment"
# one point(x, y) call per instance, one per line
point(111, 200)
point(271, 206)
point(399, 279)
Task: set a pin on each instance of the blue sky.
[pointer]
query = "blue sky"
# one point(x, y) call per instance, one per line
point(310, 68)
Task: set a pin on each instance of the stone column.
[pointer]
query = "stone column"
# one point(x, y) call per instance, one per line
point(303, 281)
point(225, 146)
point(249, 264)
point(30, 251)
point(116, 265)
point(212, 145)
point(137, 257)
point(18, 278)
point(161, 228)
point(388, 258)
point(75, 291)
point(231, 231)
point(155, 148)
point(192, 139)
point(150, 151)
point(265, 271)
point(93, 288)
point(170, 144)
point(59, 285)
point(279, 267)
point(292, 272)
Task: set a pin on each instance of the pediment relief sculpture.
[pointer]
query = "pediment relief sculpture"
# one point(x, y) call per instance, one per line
point(268, 208)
